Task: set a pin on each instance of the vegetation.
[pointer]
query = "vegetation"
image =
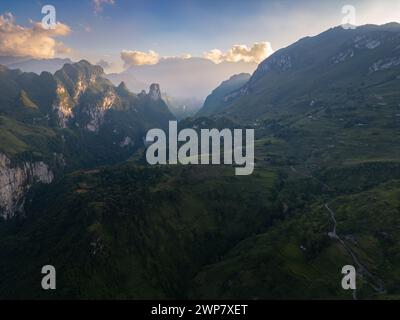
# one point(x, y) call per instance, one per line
point(327, 154)
point(130, 232)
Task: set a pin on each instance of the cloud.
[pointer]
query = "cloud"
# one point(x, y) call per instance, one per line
point(139, 58)
point(238, 53)
point(255, 54)
point(36, 42)
point(98, 4)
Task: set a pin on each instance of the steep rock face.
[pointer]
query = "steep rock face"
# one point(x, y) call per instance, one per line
point(81, 88)
point(15, 181)
point(63, 106)
point(155, 93)
point(96, 112)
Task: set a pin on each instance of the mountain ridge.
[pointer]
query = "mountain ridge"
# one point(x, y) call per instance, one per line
point(220, 94)
point(317, 59)
point(29, 64)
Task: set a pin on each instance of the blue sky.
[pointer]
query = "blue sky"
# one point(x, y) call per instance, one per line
point(175, 27)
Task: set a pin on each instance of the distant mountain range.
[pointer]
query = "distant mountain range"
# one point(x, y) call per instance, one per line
point(193, 77)
point(182, 107)
point(182, 80)
point(27, 64)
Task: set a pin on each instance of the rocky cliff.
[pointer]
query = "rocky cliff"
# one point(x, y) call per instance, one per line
point(15, 181)
point(76, 113)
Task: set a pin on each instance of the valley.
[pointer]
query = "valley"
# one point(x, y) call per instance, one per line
point(77, 192)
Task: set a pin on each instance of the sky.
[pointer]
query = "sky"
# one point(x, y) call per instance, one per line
point(120, 33)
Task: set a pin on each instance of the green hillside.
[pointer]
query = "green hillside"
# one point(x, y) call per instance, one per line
point(324, 193)
point(130, 232)
point(297, 260)
point(318, 72)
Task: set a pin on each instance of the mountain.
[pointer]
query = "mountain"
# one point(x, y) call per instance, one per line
point(218, 96)
point(85, 97)
point(182, 78)
point(324, 193)
point(75, 118)
point(182, 107)
point(76, 96)
point(129, 79)
point(318, 70)
point(7, 60)
point(38, 66)
point(326, 112)
point(27, 64)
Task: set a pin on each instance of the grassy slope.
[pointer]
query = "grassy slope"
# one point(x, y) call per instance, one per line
point(297, 260)
point(17, 137)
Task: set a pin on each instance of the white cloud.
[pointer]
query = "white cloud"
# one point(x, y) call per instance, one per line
point(98, 4)
point(36, 42)
point(255, 54)
point(139, 58)
point(238, 53)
